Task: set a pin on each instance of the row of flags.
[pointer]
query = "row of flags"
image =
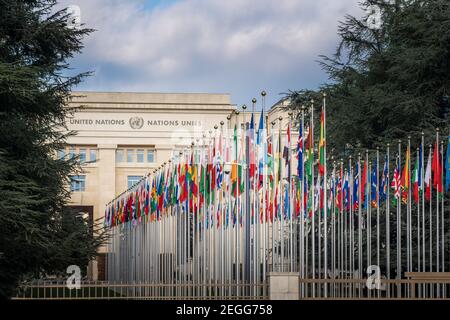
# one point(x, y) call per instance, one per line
point(373, 186)
point(267, 196)
point(210, 180)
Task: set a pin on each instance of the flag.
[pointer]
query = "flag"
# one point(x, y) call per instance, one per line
point(322, 144)
point(287, 210)
point(307, 199)
point(405, 180)
point(346, 192)
point(251, 151)
point(286, 153)
point(147, 195)
point(363, 184)
point(447, 167)
point(260, 129)
point(330, 185)
point(339, 191)
point(356, 188)
point(309, 147)
point(428, 178)
point(234, 165)
point(317, 195)
point(193, 179)
point(270, 162)
point(396, 181)
point(373, 190)
point(420, 171)
point(300, 153)
point(260, 142)
point(218, 166)
point(106, 218)
point(437, 169)
point(415, 181)
point(384, 181)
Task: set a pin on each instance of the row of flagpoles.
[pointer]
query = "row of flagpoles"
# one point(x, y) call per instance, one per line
point(245, 200)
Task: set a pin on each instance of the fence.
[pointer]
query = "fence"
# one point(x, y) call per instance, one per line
point(392, 289)
point(58, 290)
point(415, 287)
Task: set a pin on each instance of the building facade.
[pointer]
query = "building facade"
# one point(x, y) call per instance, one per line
point(120, 137)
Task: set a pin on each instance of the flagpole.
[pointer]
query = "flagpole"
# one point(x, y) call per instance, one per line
point(312, 201)
point(410, 217)
point(271, 204)
point(199, 222)
point(221, 214)
point(367, 198)
point(409, 214)
point(338, 200)
point(341, 225)
point(281, 198)
point(194, 221)
point(422, 189)
point(291, 245)
point(437, 204)
point(416, 173)
point(352, 224)
point(302, 209)
point(228, 206)
point(333, 226)
point(359, 225)
point(212, 210)
point(325, 195)
point(319, 223)
point(437, 210)
point(441, 178)
point(399, 207)
point(254, 218)
point(201, 217)
point(205, 160)
point(431, 222)
point(192, 234)
point(238, 203)
point(278, 197)
point(264, 220)
point(442, 211)
point(247, 224)
point(377, 199)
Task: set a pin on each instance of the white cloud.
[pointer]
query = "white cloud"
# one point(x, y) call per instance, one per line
point(235, 46)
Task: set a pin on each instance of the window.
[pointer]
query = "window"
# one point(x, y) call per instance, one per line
point(140, 155)
point(119, 155)
point(72, 152)
point(82, 155)
point(93, 155)
point(150, 156)
point(130, 155)
point(61, 153)
point(132, 180)
point(77, 183)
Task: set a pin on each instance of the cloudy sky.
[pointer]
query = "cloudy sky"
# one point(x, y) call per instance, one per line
point(220, 46)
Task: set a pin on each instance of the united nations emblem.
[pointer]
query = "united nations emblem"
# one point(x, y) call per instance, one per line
point(136, 122)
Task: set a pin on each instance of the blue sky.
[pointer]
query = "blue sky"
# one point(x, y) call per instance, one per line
point(238, 47)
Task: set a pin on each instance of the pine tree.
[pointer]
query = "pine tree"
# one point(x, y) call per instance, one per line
point(390, 82)
point(386, 84)
point(39, 235)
